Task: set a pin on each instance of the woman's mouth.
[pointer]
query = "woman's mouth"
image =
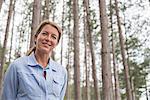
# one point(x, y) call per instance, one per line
point(46, 44)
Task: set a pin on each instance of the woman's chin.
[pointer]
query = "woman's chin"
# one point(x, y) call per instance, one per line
point(45, 50)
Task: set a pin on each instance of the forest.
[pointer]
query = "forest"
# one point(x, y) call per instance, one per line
point(105, 45)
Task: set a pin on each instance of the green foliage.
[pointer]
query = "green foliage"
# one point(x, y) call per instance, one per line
point(94, 28)
point(6, 66)
point(93, 24)
point(133, 43)
point(71, 92)
point(136, 68)
point(147, 53)
point(133, 47)
point(137, 75)
point(92, 93)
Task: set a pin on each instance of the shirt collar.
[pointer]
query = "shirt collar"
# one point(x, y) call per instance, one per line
point(53, 65)
point(32, 62)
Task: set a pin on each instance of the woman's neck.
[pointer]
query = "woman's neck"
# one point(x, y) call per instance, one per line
point(42, 59)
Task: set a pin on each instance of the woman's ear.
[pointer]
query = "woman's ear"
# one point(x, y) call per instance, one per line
point(35, 41)
point(35, 38)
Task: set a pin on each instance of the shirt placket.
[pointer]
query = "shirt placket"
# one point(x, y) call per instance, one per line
point(47, 83)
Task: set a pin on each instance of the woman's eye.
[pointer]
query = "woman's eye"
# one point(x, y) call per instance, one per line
point(44, 33)
point(54, 37)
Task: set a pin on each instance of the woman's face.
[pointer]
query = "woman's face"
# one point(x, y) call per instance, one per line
point(47, 39)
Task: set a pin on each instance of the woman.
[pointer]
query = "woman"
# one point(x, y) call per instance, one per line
point(36, 76)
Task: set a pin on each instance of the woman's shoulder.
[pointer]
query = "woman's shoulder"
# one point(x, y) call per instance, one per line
point(19, 61)
point(57, 66)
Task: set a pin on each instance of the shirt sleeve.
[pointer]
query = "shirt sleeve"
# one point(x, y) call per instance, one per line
point(64, 87)
point(10, 83)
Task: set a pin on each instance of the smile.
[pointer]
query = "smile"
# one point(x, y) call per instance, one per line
point(46, 44)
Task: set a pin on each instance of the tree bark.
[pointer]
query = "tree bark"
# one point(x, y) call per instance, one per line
point(46, 9)
point(115, 67)
point(87, 88)
point(1, 2)
point(122, 42)
point(132, 87)
point(36, 16)
point(12, 35)
point(53, 18)
point(68, 92)
point(106, 68)
point(76, 51)
point(5, 42)
point(63, 12)
point(86, 5)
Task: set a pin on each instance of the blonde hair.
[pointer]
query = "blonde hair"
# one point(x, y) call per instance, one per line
point(39, 29)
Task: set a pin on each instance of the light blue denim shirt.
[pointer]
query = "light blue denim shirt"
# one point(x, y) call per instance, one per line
point(24, 80)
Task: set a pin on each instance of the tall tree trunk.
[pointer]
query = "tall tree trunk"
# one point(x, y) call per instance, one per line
point(11, 44)
point(62, 50)
point(53, 7)
point(86, 5)
point(5, 42)
point(36, 16)
point(68, 93)
point(133, 91)
point(76, 51)
point(12, 35)
point(1, 2)
point(126, 69)
point(63, 12)
point(115, 67)
point(20, 43)
point(88, 71)
point(87, 92)
point(106, 68)
point(54, 10)
point(46, 9)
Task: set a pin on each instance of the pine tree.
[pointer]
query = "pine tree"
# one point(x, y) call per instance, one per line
point(11, 6)
point(106, 69)
point(117, 95)
point(76, 51)
point(126, 67)
point(86, 5)
point(36, 16)
point(1, 2)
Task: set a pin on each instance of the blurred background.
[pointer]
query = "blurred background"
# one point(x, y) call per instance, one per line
point(105, 45)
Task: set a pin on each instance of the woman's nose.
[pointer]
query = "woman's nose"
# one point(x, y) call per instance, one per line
point(49, 38)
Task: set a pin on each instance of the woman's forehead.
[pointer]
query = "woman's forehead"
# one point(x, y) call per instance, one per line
point(50, 29)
